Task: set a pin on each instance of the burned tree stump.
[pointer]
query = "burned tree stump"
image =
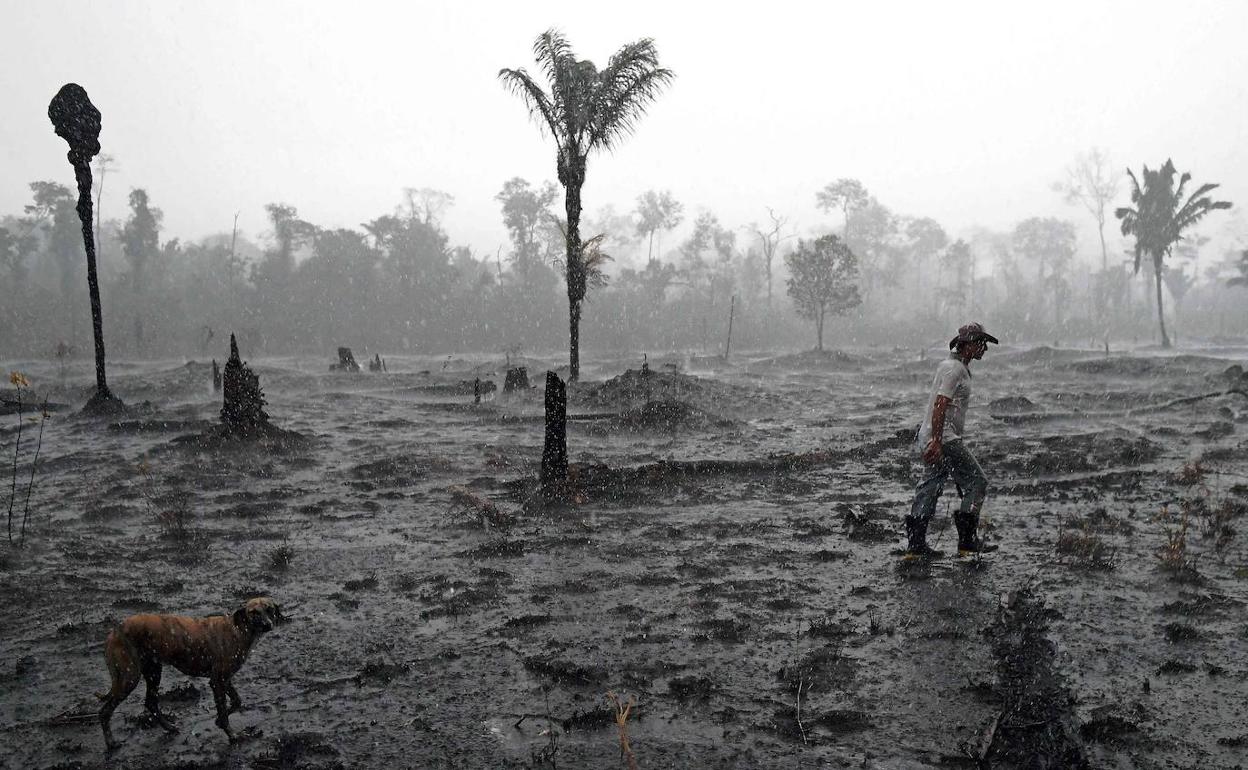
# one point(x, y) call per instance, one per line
point(376, 365)
point(346, 362)
point(216, 377)
point(555, 452)
point(517, 379)
point(242, 410)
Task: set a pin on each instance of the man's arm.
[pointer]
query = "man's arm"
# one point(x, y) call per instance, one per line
point(931, 454)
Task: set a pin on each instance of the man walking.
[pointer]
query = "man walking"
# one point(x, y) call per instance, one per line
point(940, 439)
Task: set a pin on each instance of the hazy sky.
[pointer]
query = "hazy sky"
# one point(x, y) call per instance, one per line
point(965, 112)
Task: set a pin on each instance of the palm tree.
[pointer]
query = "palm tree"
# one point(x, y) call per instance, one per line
point(1159, 217)
point(585, 110)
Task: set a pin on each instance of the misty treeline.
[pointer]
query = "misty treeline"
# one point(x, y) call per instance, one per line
point(396, 283)
point(660, 278)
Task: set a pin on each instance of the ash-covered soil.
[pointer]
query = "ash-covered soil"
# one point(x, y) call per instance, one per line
point(751, 605)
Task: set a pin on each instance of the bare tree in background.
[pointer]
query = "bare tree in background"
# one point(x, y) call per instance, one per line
point(1092, 183)
point(769, 240)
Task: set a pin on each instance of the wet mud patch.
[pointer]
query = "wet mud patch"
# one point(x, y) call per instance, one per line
point(400, 470)
point(1069, 453)
point(815, 360)
point(1147, 366)
point(635, 387)
point(561, 670)
point(303, 750)
point(821, 669)
point(660, 416)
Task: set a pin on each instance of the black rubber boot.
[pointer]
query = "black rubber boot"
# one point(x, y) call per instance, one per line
point(916, 541)
point(969, 542)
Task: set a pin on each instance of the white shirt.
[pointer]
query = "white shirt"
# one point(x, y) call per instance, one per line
point(953, 381)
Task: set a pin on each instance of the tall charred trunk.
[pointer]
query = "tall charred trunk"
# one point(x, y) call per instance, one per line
point(77, 121)
point(82, 172)
point(554, 475)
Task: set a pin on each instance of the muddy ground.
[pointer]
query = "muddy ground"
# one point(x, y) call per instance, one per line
point(758, 616)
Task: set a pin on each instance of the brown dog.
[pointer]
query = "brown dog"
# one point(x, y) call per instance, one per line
point(215, 647)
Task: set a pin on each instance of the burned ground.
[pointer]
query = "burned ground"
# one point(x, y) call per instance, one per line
point(751, 604)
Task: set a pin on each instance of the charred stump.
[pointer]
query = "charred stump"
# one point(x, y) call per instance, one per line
point(555, 452)
point(1037, 725)
point(517, 379)
point(77, 121)
point(216, 377)
point(346, 362)
point(242, 410)
point(376, 365)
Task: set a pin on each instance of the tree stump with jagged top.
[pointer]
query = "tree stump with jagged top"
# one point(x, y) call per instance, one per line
point(242, 410)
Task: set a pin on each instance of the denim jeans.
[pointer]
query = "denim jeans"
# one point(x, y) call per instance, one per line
point(956, 461)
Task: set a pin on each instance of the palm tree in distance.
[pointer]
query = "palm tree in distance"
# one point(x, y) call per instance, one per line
point(1159, 218)
point(586, 109)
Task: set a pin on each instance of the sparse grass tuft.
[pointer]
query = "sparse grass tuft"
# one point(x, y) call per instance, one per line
point(1173, 555)
point(281, 556)
point(466, 504)
point(1083, 549)
point(172, 513)
point(1214, 518)
point(876, 626)
point(1190, 474)
point(829, 627)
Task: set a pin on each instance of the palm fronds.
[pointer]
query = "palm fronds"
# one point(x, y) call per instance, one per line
point(586, 109)
point(1160, 215)
point(540, 107)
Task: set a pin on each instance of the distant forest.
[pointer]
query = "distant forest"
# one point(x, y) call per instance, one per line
point(661, 279)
